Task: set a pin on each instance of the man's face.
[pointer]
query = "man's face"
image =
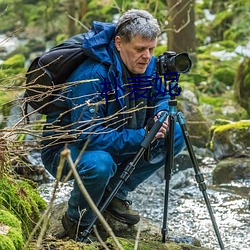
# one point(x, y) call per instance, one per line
point(137, 53)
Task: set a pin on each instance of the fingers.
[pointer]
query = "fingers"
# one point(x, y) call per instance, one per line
point(163, 130)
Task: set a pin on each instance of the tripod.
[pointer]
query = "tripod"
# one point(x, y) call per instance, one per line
point(168, 165)
point(170, 162)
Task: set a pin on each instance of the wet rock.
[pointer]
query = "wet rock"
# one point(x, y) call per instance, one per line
point(231, 169)
point(150, 234)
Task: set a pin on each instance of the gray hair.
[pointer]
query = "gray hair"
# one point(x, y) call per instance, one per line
point(137, 22)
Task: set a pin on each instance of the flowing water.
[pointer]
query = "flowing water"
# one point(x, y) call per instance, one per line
point(187, 212)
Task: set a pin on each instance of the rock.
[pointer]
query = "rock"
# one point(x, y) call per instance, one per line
point(231, 169)
point(189, 96)
point(197, 125)
point(229, 140)
point(149, 238)
point(181, 179)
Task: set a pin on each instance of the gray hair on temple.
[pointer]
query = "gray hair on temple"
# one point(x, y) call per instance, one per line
point(137, 22)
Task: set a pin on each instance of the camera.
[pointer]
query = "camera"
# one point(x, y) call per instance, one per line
point(171, 62)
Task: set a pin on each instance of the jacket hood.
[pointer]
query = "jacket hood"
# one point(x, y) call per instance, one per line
point(98, 42)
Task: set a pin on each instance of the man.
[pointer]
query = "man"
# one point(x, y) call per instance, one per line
point(108, 116)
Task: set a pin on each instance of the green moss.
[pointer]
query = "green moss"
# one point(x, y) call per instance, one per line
point(14, 234)
point(22, 200)
point(239, 128)
point(225, 75)
point(16, 237)
point(235, 125)
point(6, 243)
point(128, 244)
point(16, 61)
point(215, 101)
point(9, 219)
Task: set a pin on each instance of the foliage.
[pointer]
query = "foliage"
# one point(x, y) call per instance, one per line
point(229, 21)
point(13, 238)
point(22, 200)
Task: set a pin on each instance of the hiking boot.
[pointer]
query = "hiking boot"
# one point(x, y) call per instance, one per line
point(75, 231)
point(121, 211)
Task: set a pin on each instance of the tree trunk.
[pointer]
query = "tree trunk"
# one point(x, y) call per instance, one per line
point(83, 7)
point(71, 6)
point(181, 27)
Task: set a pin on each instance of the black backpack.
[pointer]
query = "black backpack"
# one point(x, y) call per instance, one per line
point(47, 74)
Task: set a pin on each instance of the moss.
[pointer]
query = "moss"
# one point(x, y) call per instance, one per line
point(128, 244)
point(9, 219)
point(236, 125)
point(221, 132)
point(13, 239)
point(6, 243)
point(215, 101)
point(16, 61)
point(16, 237)
point(21, 199)
point(225, 75)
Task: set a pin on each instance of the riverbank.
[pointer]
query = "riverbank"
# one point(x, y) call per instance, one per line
point(188, 215)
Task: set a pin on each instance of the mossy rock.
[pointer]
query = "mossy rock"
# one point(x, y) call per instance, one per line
point(22, 200)
point(221, 107)
point(232, 139)
point(11, 237)
point(128, 244)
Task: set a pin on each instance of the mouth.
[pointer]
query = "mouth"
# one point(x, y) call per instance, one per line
point(143, 64)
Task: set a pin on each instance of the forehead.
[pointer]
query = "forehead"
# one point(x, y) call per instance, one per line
point(140, 41)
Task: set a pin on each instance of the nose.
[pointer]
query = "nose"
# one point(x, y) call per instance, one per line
point(146, 54)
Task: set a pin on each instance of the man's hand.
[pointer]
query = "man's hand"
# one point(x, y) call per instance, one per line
point(164, 128)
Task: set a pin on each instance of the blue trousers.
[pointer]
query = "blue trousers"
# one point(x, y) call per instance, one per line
point(100, 170)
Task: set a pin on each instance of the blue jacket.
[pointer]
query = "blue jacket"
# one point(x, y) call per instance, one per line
point(91, 117)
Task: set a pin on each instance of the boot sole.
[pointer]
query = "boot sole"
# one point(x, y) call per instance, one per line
point(121, 219)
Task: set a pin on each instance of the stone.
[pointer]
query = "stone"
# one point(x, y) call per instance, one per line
point(231, 169)
point(230, 140)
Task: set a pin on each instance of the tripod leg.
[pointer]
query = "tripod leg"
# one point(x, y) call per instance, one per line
point(168, 172)
point(129, 169)
point(199, 176)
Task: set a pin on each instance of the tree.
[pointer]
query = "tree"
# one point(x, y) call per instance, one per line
point(181, 27)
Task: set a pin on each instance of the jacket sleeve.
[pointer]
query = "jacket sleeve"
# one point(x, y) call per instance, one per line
point(88, 115)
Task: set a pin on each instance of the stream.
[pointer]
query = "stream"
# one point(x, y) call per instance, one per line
point(187, 212)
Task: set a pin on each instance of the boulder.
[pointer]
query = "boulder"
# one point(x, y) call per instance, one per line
point(150, 235)
point(197, 125)
point(231, 169)
point(231, 139)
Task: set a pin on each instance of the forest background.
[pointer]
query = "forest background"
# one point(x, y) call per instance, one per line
point(214, 33)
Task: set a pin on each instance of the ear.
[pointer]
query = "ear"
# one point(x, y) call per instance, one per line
point(118, 42)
